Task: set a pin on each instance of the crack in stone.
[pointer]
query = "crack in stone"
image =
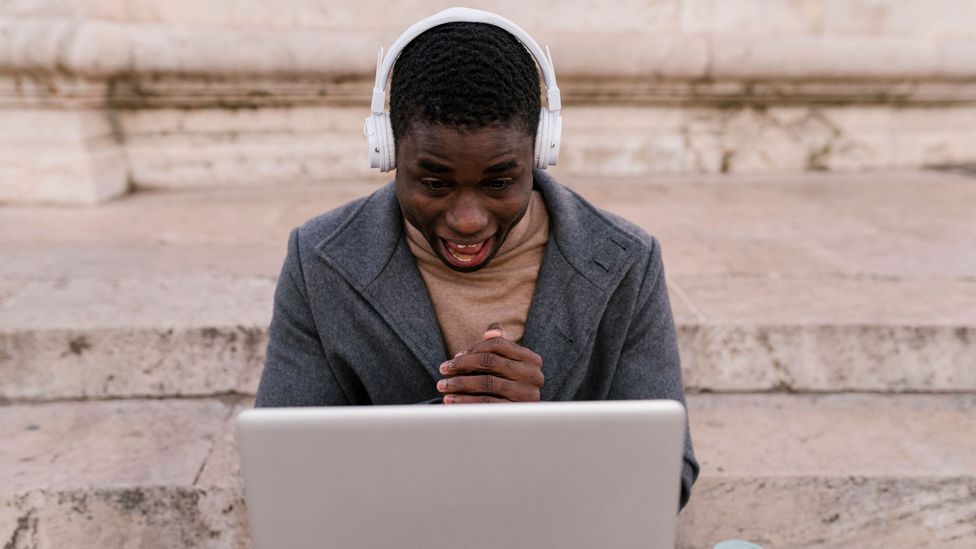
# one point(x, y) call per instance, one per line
point(213, 445)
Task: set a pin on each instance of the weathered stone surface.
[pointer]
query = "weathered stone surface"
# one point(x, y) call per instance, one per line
point(131, 362)
point(750, 17)
point(777, 39)
point(116, 474)
point(206, 146)
point(244, 218)
point(81, 445)
point(873, 435)
point(97, 338)
point(139, 302)
point(827, 358)
point(828, 512)
point(137, 517)
point(59, 156)
point(909, 225)
point(176, 149)
point(833, 471)
point(839, 301)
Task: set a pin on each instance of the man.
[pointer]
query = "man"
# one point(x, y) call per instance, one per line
point(472, 277)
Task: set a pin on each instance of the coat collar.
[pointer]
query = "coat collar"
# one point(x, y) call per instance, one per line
point(585, 259)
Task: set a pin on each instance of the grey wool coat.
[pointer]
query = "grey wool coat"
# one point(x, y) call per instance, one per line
point(353, 323)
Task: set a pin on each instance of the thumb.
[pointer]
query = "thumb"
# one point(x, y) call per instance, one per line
point(494, 330)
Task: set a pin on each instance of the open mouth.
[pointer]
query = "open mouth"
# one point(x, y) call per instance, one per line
point(466, 256)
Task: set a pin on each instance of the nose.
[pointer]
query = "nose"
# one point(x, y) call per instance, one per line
point(467, 216)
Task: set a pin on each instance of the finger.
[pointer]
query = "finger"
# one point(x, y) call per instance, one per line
point(483, 363)
point(493, 364)
point(473, 399)
point(506, 348)
point(490, 385)
point(495, 329)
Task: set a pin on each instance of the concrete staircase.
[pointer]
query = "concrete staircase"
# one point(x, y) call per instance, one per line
point(827, 325)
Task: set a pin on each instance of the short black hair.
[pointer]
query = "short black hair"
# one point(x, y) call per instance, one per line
point(465, 75)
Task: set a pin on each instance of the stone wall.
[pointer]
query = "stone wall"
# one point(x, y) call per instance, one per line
point(101, 96)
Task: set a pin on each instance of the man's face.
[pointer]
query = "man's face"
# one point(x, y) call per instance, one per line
point(464, 189)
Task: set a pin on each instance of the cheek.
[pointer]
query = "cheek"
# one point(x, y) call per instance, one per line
point(418, 211)
point(514, 208)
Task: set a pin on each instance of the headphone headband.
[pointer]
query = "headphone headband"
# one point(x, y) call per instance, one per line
point(464, 15)
point(378, 128)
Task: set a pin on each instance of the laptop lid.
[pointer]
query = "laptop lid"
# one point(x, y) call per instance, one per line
point(553, 474)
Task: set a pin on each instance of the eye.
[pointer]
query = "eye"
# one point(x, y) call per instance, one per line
point(434, 185)
point(499, 184)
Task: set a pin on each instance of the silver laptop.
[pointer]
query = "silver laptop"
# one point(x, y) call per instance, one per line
point(555, 474)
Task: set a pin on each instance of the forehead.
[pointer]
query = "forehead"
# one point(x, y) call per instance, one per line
point(448, 142)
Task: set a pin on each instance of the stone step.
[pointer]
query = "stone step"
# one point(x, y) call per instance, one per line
point(816, 283)
point(849, 470)
point(782, 470)
point(128, 473)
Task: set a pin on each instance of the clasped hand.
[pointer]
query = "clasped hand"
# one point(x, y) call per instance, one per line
point(493, 370)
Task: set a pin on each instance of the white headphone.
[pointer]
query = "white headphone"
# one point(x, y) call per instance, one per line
point(379, 131)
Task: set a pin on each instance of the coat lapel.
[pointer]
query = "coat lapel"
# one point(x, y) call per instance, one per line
point(560, 322)
point(584, 261)
point(400, 296)
point(371, 253)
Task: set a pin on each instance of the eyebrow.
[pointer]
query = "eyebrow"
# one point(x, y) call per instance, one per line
point(433, 167)
point(502, 167)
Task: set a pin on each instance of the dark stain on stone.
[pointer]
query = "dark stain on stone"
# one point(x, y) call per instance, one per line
point(77, 502)
point(32, 427)
point(130, 499)
point(781, 386)
point(817, 158)
point(963, 168)
point(79, 345)
point(252, 336)
point(26, 526)
point(726, 166)
point(832, 518)
point(962, 334)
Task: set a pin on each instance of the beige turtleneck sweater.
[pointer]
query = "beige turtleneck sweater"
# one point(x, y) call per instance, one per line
point(466, 303)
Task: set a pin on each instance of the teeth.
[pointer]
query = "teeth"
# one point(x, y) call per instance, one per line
point(463, 246)
point(462, 257)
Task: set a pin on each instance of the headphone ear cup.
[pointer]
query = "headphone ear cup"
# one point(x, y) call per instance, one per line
point(384, 135)
point(556, 135)
point(541, 140)
point(547, 139)
point(373, 140)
